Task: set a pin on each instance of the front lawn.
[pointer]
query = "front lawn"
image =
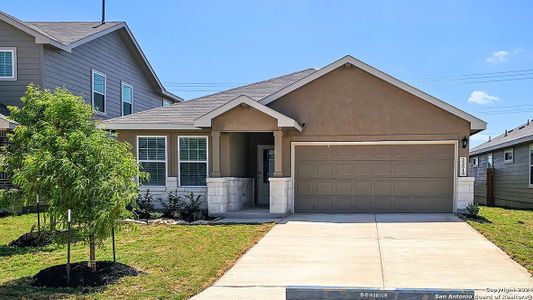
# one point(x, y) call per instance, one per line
point(510, 229)
point(176, 262)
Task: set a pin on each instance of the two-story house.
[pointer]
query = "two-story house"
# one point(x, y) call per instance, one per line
point(102, 62)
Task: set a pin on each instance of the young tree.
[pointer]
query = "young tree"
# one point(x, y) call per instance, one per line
point(58, 151)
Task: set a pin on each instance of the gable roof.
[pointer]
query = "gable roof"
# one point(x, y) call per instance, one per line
point(68, 35)
point(182, 115)
point(476, 124)
point(518, 135)
point(283, 120)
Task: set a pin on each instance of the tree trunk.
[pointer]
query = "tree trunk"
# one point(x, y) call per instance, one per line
point(92, 253)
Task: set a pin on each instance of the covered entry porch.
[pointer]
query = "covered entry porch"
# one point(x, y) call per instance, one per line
point(247, 158)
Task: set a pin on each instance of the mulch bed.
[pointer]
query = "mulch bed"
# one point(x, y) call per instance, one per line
point(33, 239)
point(107, 272)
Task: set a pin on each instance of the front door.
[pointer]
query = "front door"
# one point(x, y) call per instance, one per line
point(265, 169)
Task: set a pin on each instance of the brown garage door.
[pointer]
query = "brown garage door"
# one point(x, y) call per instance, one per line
point(374, 178)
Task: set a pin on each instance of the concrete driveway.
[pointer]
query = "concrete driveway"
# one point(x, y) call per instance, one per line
point(368, 250)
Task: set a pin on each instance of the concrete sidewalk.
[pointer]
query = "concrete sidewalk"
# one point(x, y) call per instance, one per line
point(368, 250)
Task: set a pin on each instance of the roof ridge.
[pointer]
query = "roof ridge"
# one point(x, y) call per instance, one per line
point(51, 22)
point(249, 84)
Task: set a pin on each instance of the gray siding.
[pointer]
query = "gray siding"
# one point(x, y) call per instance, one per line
point(511, 180)
point(480, 173)
point(28, 63)
point(110, 55)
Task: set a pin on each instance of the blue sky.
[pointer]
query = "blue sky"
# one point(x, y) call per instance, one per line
point(220, 44)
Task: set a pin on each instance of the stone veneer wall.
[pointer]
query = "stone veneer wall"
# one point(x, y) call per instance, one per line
point(172, 185)
point(229, 194)
point(280, 195)
point(465, 192)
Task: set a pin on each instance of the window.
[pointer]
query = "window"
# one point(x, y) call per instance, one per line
point(490, 163)
point(99, 89)
point(192, 161)
point(531, 166)
point(475, 161)
point(127, 99)
point(8, 61)
point(152, 155)
point(508, 156)
point(167, 102)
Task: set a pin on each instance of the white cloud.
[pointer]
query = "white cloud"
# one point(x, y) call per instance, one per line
point(478, 139)
point(501, 56)
point(480, 97)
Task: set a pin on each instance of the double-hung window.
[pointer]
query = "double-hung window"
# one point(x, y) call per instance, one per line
point(152, 156)
point(8, 61)
point(192, 161)
point(531, 166)
point(127, 98)
point(475, 161)
point(98, 91)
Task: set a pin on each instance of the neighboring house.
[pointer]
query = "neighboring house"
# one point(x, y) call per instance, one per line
point(510, 155)
point(343, 138)
point(100, 61)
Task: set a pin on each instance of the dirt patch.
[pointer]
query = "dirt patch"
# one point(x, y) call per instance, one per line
point(33, 239)
point(107, 272)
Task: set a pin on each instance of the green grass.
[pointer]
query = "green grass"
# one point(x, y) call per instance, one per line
point(176, 262)
point(510, 229)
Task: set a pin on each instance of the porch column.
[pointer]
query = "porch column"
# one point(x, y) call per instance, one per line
point(215, 141)
point(278, 152)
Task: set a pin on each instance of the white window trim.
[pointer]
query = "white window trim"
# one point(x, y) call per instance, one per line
point(193, 161)
point(508, 161)
point(122, 84)
point(154, 187)
point(93, 71)
point(475, 161)
point(13, 50)
point(530, 164)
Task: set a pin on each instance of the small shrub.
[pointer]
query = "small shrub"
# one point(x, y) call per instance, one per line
point(144, 205)
point(192, 209)
point(155, 215)
point(473, 209)
point(172, 207)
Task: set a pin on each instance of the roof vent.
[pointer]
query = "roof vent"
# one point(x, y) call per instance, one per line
point(490, 138)
point(505, 133)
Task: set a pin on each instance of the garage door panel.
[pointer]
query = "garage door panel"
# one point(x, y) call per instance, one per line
point(401, 187)
point(324, 187)
point(342, 187)
point(323, 204)
point(383, 203)
point(323, 169)
point(343, 152)
point(323, 153)
point(343, 169)
point(363, 168)
point(342, 203)
point(305, 168)
point(360, 187)
point(383, 168)
point(305, 187)
point(382, 187)
point(402, 203)
point(374, 178)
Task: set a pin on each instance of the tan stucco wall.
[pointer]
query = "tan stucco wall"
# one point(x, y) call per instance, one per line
point(244, 119)
point(349, 104)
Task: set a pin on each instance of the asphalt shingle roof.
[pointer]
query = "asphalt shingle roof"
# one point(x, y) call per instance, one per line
point(67, 33)
point(184, 113)
point(520, 134)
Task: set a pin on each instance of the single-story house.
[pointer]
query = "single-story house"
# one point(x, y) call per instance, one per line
point(343, 138)
point(510, 158)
